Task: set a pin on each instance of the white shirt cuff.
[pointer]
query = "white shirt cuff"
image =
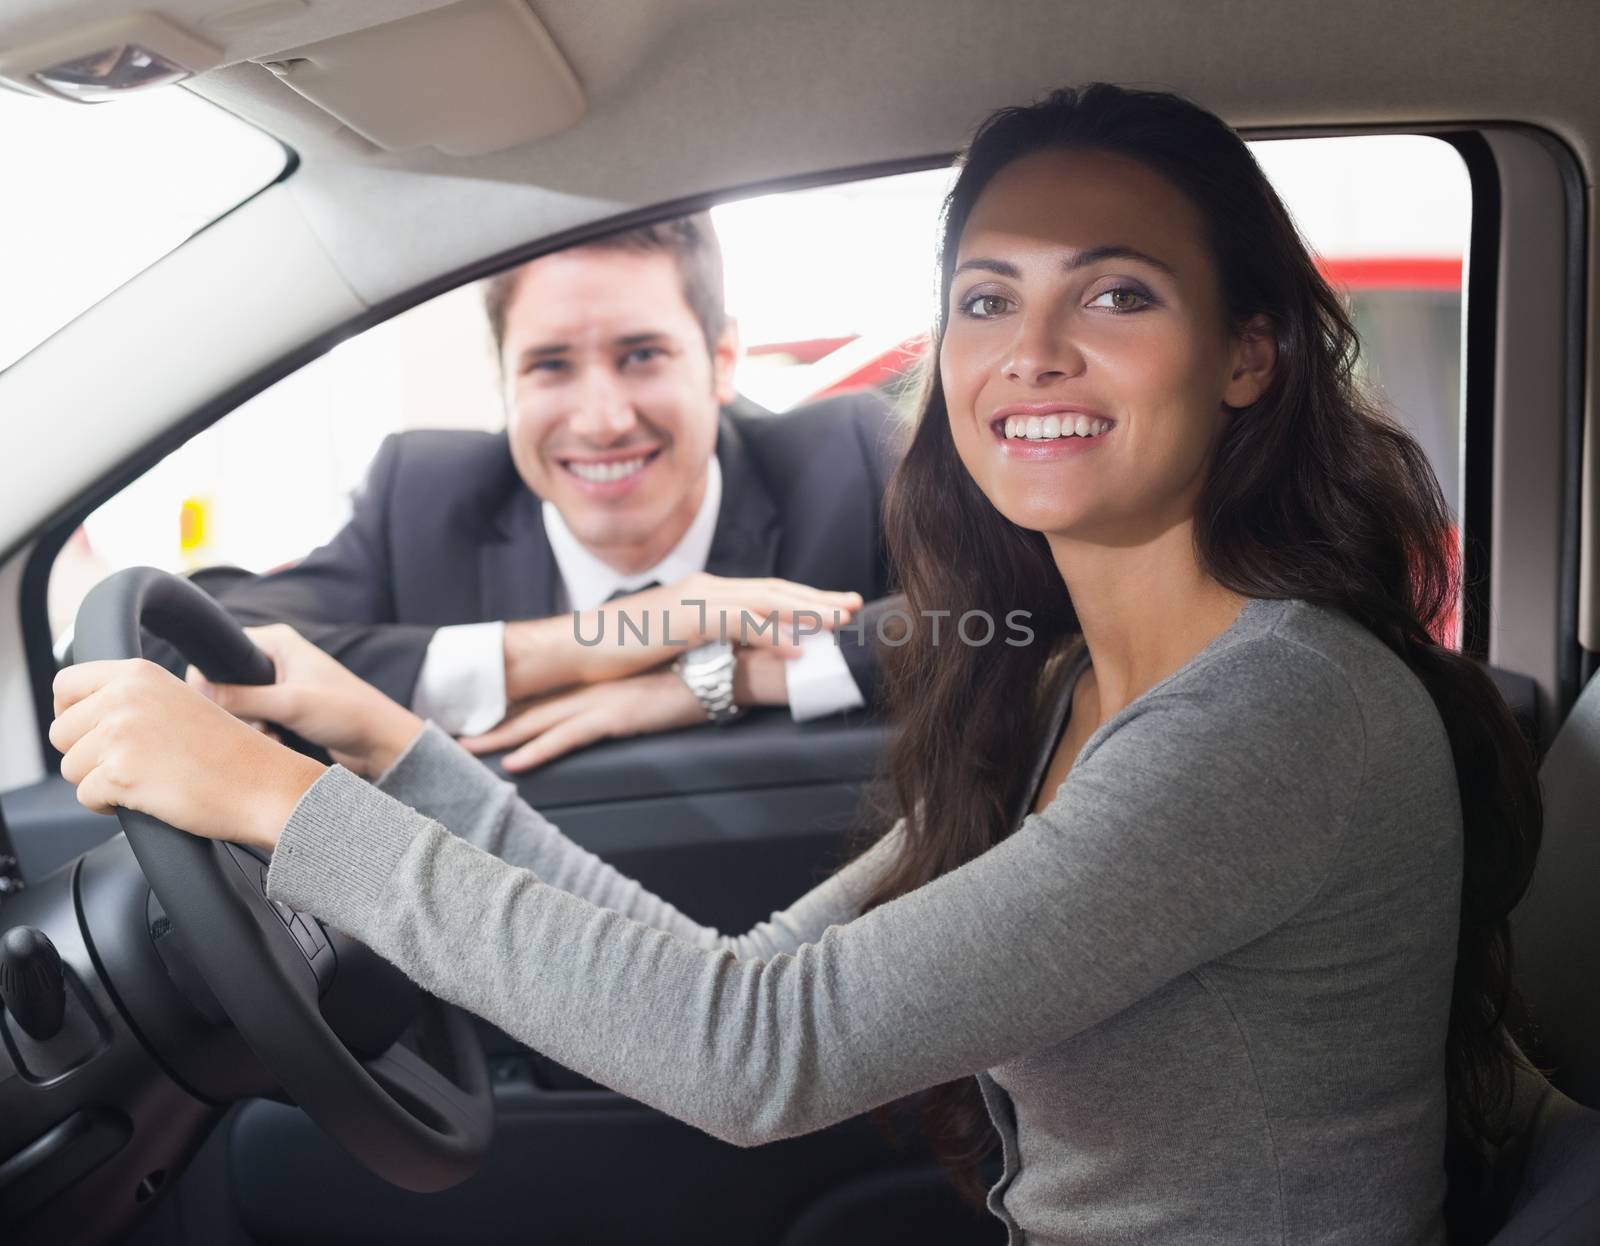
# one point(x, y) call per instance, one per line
point(819, 680)
point(462, 685)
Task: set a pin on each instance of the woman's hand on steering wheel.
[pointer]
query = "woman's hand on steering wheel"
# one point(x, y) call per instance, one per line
point(321, 701)
point(133, 736)
point(140, 741)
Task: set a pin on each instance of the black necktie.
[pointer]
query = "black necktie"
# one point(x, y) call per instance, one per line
point(629, 592)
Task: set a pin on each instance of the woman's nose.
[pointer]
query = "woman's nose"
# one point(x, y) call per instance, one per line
point(1041, 352)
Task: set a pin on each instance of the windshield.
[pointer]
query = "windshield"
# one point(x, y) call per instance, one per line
point(97, 192)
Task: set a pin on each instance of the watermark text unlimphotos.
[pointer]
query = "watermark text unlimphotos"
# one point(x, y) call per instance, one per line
point(892, 627)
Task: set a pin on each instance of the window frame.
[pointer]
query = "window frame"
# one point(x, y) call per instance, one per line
point(1480, 364)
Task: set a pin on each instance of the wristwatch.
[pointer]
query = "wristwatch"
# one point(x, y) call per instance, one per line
point(708, 670)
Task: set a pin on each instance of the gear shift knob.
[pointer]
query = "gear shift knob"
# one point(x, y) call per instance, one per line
point(31, 986)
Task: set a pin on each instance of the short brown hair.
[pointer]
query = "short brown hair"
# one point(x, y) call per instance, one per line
point(691, 241)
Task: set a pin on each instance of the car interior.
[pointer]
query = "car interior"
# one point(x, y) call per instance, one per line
point(399, 153)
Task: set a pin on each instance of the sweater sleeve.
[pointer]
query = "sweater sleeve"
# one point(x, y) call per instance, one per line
point(440, 779)
point(1188, 827)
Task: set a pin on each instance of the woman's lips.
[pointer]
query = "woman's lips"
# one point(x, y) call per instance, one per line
point(1026, 451)
point(1046, 431)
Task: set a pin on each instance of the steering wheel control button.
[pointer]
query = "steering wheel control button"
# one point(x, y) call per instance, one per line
point(31, 986)
point(285, 914)
point(314, 928)
point(302, 936)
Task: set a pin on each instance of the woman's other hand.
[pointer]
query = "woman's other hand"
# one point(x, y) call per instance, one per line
point(133, 736)
point(321, 701)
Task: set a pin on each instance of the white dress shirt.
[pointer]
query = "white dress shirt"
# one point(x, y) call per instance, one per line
point(462, 685)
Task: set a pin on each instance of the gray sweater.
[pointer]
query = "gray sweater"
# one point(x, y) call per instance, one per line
point(1205, 991)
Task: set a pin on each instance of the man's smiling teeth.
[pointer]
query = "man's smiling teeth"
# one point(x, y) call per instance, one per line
point(600, 473)
point(1050, 427)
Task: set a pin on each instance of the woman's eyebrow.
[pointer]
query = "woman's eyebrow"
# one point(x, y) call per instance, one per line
point(1080, 259)
point(1001, 268)
point(1095, 255)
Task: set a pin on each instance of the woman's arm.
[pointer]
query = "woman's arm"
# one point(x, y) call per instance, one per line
point(1200, 821)
point(438, 778)
point(1193, 828)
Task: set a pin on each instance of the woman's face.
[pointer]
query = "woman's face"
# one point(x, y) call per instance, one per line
point(1087, 356)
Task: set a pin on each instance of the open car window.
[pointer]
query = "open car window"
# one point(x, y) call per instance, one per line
point(833, 290)
point(96, 193)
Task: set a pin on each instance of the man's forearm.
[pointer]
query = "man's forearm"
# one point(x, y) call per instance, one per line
point(758, 679)
point(543, 655)
point(650, 628)
point(613, 642)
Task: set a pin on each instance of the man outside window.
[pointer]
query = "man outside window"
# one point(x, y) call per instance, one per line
point(632, 480)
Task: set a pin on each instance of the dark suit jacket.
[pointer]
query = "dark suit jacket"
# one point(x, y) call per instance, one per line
point(446, 532)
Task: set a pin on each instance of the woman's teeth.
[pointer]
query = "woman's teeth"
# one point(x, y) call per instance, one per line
point(1050, 427)
point(602, 472)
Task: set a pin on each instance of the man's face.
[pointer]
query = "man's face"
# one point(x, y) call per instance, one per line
point(612, 397)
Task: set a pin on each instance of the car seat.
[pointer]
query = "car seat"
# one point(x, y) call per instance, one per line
point(1552, 1165)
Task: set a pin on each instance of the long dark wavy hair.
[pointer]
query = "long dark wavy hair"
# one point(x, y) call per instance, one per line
point(1312, 493)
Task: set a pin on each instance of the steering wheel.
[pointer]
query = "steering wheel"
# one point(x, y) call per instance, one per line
point(396, 1113)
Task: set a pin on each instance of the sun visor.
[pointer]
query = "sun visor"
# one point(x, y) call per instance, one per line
point(469, 78)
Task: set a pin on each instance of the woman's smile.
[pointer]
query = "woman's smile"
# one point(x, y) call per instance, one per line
point(1047, 431)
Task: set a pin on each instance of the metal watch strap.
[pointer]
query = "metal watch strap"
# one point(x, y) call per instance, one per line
point(708, 672)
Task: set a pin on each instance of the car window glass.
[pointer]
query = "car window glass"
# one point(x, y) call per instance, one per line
point(97, 192)
point(833, 290)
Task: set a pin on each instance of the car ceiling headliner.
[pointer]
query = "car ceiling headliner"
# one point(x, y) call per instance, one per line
point(693, 96)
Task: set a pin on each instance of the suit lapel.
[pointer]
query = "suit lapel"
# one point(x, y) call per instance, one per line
point(745, 540)
point(516, 567)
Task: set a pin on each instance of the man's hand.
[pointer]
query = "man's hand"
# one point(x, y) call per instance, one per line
point(758, 613)
point(134, 737)
point(638, 705)
point(592, 647)
point(567, 721)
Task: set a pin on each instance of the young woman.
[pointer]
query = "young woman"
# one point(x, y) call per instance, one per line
point(1204, 888)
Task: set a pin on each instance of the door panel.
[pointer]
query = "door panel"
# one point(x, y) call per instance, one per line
point(574, 1167)
point(726, 823)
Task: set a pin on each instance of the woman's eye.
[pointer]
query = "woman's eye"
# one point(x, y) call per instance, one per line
point(983, 306)
point(1123, 299)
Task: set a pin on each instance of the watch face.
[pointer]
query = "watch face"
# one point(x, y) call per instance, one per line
point(707, 657)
